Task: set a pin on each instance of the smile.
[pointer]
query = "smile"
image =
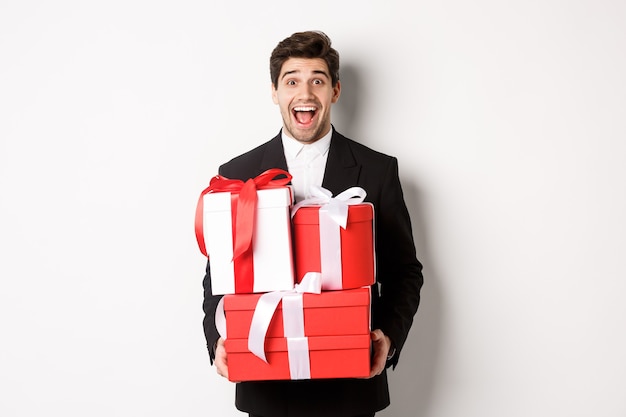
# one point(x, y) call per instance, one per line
point(304, 114)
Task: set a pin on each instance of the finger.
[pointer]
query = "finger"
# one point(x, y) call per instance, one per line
point(222, 369)
point(376, 335)
point(378, 362)
point(377, 367)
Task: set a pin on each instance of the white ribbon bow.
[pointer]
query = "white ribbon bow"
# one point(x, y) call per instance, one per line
point(336, 207)
point(293, 322)
point(293, 316)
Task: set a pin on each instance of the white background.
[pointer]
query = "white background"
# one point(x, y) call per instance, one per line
point(509, 121)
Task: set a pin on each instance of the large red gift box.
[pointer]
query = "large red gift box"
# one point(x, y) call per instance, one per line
point(352, 264)
point(336, 328)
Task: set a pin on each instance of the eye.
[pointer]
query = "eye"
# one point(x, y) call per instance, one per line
point(318, 82)
point(291, 82)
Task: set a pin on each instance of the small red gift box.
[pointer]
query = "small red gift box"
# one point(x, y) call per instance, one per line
point(335, 342)
point(351, 265)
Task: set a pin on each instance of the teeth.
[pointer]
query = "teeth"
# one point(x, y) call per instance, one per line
point(304, 108)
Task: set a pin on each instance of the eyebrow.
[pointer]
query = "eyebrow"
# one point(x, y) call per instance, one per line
point(322, 72)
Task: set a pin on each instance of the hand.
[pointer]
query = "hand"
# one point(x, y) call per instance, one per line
point(221, 359)
point(381, 345)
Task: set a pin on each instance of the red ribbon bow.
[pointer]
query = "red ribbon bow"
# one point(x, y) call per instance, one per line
point(244, 207)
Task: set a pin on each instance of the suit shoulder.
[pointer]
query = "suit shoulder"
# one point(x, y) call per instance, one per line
point(361, 151)
point(254, 153)
point(245, 165)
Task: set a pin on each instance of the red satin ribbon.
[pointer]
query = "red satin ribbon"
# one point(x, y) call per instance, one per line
point(243, 211)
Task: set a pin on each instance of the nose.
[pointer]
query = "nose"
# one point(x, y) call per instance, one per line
point(305, 91)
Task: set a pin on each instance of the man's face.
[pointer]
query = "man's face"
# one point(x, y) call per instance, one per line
point(304, 93)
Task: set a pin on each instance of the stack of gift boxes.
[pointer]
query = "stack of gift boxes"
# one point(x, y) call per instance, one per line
point(295, 277)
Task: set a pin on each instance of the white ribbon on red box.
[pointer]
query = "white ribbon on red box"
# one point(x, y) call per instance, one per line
point(333, 214)
point(293, 324)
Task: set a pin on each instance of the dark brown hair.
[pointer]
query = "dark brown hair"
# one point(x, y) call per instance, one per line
point(310, 44)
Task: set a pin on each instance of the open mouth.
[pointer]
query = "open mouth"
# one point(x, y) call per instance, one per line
point(304, 114)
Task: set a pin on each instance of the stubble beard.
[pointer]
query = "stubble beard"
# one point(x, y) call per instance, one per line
point(305, 136)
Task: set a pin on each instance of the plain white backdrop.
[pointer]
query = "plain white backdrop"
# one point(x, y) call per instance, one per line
point(509, 122)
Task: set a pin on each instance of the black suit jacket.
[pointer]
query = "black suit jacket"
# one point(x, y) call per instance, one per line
point(395, 296)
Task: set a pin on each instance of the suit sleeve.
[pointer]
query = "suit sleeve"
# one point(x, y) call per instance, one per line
point(209, 306)
point(399, 273)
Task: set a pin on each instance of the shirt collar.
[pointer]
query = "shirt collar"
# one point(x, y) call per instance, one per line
point(292, 147)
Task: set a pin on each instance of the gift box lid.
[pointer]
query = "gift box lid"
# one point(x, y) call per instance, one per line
point(331, 313)
point(279, 344)
point(356, 213)
point(353, 297)
point(266, 198)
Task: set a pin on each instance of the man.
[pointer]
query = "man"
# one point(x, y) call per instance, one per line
point(304, 71)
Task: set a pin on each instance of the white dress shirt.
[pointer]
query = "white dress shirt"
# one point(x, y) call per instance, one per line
point(306, 163)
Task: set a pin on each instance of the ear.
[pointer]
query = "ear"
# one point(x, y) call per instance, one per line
point(274, 94)
point(336, 92)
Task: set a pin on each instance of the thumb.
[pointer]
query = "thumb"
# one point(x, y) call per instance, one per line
point(376, 335)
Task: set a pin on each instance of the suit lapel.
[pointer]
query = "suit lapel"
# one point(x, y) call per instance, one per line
point(274, 156)
point(342, 170)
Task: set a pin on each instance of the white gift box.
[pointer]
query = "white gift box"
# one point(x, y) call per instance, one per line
point(271, 241)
